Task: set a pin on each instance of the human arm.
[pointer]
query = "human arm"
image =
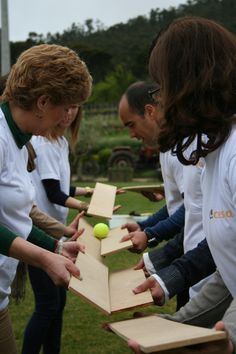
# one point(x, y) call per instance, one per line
point(211, 305)
point(167, 228)
point(58, 267)
point(57, 196)
point(183, 272)
point(41, 239)
point(152, 220)
point(53, 227)
point(151, 236)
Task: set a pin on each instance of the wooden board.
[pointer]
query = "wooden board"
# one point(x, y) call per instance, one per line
point(111, 244)
point(92, 244)
point(155, 188)
point(154, 333)
point(101, 289)
point(94, 284)
point(121, 284)
point(102, 201)
point(99, 248)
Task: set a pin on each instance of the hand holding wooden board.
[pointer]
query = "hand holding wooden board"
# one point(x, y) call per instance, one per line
point(155, 334)
point(102, 201)
point(109, 245)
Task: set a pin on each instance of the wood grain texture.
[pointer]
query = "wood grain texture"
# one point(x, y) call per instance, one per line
point(111, 244)
point(154, 333)
point(155, 188)
point(102, 201)
point(108, 292)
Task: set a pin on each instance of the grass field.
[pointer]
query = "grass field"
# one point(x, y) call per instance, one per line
point(82, 330)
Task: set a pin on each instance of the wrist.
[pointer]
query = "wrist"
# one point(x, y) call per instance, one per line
point(88, 191)
point(151, 240)
point(59, 247)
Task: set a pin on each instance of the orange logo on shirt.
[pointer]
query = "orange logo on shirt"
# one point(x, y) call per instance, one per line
point(221, 214)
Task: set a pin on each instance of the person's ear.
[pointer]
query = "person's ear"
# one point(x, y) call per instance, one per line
point(42, 102)
point(149, 110)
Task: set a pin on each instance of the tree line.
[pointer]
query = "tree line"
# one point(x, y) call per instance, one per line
point(118, 55)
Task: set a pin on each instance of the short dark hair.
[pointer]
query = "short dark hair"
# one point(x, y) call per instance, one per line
point(138, 95)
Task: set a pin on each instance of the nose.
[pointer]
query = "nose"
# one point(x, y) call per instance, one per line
point(132, 134)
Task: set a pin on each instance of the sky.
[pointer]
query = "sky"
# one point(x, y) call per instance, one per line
point(43, 16)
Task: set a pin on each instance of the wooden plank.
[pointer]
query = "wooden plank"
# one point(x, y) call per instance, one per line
point(121, 284)
point(154, 333)
point(102, 201)
point(155, 188)
point(100, 289)
point(111, 244)
point(94, 284)
point(92, 244)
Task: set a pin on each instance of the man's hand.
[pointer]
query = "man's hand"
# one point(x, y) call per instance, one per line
point(59, 268)
point(70, 249)
point(152, 196)
point(131, 226)
point(141, 265)
point(156, 290)
point(139, 240)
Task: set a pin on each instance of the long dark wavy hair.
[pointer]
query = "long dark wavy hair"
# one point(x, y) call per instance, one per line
point(194, 61)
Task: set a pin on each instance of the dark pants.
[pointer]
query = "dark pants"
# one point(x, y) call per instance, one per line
point(45, 326)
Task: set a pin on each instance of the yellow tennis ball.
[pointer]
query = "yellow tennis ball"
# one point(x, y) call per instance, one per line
point(101, 230)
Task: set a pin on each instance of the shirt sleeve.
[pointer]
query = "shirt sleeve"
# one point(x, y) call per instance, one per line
point(48, 158)
point(152, 220)
point(41, 239)
point(166, 229)
point(6, 239)
point(186, 270)
point(54, 193)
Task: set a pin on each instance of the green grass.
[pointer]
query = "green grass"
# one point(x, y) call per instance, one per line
point(82, 330)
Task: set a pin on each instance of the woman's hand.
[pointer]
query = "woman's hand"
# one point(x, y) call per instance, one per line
point(70, 249)
point(74, 225)
point(59, 268)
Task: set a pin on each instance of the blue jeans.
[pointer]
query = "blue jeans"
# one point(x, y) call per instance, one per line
point(45, 326)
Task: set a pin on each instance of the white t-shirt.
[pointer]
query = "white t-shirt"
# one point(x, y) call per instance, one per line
point(172, 174)
point(219, 208)
point(17, 196)
point(193, 227)
point(52, 162)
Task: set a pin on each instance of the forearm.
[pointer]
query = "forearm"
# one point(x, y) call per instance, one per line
point(155, 218)
point(166, 229)
point(186, 270)
point(6, 239)
point(48, 224)
point(41, 239)
point(74, 203)
point(207, 307)
point(173, 249)
point(27, 252)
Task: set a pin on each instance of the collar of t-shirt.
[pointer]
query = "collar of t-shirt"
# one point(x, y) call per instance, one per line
point(20, 138)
